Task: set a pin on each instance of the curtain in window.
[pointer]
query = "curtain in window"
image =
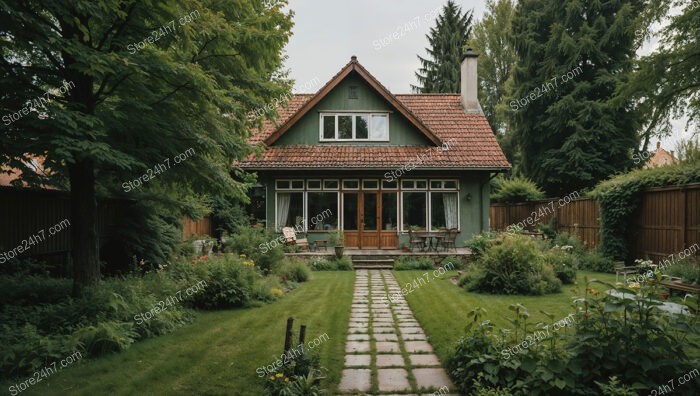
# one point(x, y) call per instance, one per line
point(283, 200)
point(449, 201)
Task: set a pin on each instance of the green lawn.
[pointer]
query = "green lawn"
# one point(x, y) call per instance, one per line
point(441, 307)
point(218, 354)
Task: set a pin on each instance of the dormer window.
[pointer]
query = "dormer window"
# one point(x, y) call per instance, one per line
point(373, 127)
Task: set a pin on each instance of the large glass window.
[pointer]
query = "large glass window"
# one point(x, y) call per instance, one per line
point(290, 210)
point(368, 126)
point(389, 208)
point(414, 210)
point(350, 212)
point(323, 211)
point(443, 210)
point(370, 211)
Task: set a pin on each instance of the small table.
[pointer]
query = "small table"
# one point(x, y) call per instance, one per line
point(321, 243)
point(428, 237)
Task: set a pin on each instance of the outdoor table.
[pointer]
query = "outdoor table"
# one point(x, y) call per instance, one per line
point(428, 237)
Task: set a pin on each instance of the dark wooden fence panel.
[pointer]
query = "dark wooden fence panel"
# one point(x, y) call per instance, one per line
point(25, 213)
point(666, 222)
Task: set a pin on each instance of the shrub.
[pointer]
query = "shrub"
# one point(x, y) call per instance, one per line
point(295, 271)
point(628, 338)
point(593, 260)
point(686, 269)
point(344, 264)
point(322, 264)
point(259, 245)
point(516, 189)
point(408, 264)
point(229, 281)
point(514, 265)
point(565, 239)
point(563, 263)
point(33, 290)
point(480, 242)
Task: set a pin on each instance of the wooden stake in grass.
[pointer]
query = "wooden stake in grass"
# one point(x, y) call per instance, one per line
point(302, 334)
point(288, 335)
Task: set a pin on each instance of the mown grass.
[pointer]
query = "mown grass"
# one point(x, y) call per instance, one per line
point(441, 307)
point(218, 354)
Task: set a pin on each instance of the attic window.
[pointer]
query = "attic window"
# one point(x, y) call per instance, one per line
point(352, 92)
point(354, 127)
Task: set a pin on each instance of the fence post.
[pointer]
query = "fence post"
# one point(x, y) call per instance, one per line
point(684, 218)
point(302, 334)
point(288, 335)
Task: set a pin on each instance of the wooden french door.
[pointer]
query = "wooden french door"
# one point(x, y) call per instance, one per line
point(366, 224)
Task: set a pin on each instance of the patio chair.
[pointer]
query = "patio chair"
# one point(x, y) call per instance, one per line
point(620, 268)
point(414, 240)
point(290, 239)
point(450, 239)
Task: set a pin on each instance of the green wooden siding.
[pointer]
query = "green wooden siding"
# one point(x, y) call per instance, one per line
point(306, 130)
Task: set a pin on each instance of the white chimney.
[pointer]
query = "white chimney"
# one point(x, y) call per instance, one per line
point(469, 81)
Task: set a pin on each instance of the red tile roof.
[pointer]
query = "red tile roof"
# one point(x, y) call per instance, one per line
point(468, 141)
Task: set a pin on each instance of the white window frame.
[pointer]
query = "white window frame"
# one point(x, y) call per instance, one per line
point(398, 184)
point(442, 185)
point(369, 188)
point(430, 207)
point(414, 181)
point(354, 138)
point(308, 186)
point(330, 180)
point(427, 207)
point(278, 227)
point(290, 188)
point(351, 180)
point(306, 209)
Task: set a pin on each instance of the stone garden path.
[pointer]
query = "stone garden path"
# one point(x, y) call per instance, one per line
point(387, 351)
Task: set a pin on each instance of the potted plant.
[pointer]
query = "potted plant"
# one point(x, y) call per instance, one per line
point(337, 240)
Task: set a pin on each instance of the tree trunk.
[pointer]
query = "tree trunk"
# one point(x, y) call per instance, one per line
point(85, 240)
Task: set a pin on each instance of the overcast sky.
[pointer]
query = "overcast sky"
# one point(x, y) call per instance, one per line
point(327, 33)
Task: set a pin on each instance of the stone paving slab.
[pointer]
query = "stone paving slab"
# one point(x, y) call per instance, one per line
point(382, 330)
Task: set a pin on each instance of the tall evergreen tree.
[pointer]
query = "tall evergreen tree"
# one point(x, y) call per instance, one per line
point(572, 57)
point(666, 83)
point(496, 60)
point(148, 82)
point(440, 73)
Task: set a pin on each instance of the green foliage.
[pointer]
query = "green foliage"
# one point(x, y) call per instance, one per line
point(593, 260)
point(514, 265)
point(300, 376)
point(569, 130)
point(612, 337)
point(480, 242)
point(23, 290)
point(103, 320)
point(516, 189)
point(686, 269)
point(131, 109)
point(563, 262)
point(295, 271)
point(496, 58)
point(620, 196)
point(331, 264)
point(259, 245)
point(440, 72)
point(228, 214)
point(411, 263)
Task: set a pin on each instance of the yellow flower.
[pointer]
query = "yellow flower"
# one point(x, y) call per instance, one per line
point(242, 256)
point(286, 380)
point(272, 378)
point(280, 375)
point(634, 285)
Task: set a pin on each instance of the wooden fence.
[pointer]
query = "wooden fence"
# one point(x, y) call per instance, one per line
point(43, 217)
point(191, 227)
point(666, 222)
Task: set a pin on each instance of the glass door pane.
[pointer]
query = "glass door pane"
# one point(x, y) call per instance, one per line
point(370, 212)
point(350, 211)
point(389, 214)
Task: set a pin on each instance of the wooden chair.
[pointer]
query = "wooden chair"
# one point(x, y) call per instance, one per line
point(290, 238)
point(620, 268)
point(450, 239)
point(414, 240)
